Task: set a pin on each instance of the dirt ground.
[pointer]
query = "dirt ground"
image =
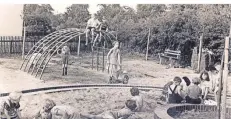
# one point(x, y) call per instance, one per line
point(141, 72)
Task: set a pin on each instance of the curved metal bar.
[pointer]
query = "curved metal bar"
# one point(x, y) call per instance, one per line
point(49, 40)
point(109, 33)
point(53, 52)
point(56, 50)
point(44, 40)
point(49, 44)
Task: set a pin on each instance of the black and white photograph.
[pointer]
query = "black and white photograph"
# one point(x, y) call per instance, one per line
point(115, 61)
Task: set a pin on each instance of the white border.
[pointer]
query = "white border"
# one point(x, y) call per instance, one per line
point(116, 1)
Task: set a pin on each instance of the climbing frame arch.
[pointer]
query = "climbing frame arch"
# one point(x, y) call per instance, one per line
point(48, 46)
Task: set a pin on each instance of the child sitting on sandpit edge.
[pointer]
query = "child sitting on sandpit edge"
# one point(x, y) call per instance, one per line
point(175, 91)
point(194, 92)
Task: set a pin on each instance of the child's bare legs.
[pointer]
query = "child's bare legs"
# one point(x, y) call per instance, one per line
point(87, 32)
point(95, 40)
point(92, 34)
point(90, 116)
point(114, 71)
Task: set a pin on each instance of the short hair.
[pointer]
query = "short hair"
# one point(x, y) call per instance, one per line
point(196, 80)
point(211, 68)
point(177, 79)
point(116, 42)
point(134, 91)
point(205, 73)
point(186, 80)
point(49, 104)
point(131, 104)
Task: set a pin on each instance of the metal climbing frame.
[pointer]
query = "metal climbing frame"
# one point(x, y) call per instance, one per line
point(48, 46)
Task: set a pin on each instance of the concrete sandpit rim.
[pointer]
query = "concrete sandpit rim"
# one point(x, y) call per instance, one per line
point(170, 110)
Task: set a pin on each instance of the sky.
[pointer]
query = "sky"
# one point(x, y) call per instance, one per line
point(61, 8)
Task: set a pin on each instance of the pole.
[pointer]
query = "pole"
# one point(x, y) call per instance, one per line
point(23, 42)
point(79, 45)
point(200, 53)
point(117, 33)
point(225, 75)
point(97, 60)
point(220, 85)
point(103, 55)
point(149, 33)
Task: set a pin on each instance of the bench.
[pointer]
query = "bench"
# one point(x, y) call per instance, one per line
point(171, 55)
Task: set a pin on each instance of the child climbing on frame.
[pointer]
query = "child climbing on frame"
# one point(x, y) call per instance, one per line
point(92, 26)
point(102, 27)
point(65, 54)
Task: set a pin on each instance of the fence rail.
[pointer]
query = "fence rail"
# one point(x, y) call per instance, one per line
point(13, 44)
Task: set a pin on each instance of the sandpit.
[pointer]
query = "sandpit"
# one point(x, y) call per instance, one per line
point(92, 101)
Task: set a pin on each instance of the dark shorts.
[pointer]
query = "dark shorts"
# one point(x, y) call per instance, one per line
point(192, 101)
point(174, 98)
point(90, 28)
point(104, 28)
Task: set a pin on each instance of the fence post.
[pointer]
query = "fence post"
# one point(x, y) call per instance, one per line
point(103, 54)
point(149, 33)
point(10, 45)
point(4, 44)
point(220, 87)
point(200, 53)
point(225, 76)
point(79, 45)
point(23, 42)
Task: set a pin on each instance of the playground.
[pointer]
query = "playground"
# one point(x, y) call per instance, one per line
point(141, 72)
point(125, 65)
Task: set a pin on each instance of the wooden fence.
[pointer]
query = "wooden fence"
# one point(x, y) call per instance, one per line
point(13, 44)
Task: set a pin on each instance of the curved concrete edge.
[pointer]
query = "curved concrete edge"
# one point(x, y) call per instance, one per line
point(163, 112)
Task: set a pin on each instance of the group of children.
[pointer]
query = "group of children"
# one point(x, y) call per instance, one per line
point(195, 91)
point(95, 26)
point(52, 111)
point(9, 109)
